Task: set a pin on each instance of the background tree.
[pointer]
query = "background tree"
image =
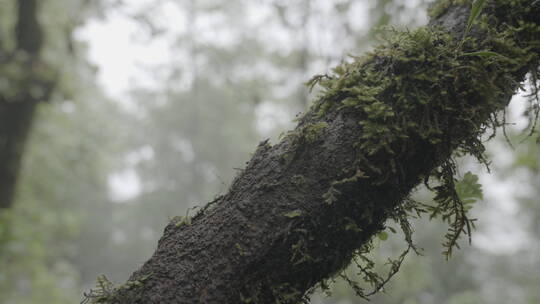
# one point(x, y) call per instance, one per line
point(27, 81)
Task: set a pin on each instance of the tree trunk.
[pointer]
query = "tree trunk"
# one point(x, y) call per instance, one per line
point(303, 207)
point(28, 85)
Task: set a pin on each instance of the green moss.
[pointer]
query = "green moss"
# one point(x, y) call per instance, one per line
point(186, 220)
point(300, 252)
point(440, 90)
point(440, 7)
point(180, 221)
point(331, 195)
point(293, 214)
point(107, 292)
point(313, 131)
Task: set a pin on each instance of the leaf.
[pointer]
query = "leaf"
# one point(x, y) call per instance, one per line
point(314, 81)
point(350, 102)
point(469, 189)
point(293, 214)
point(383, 236)
point(339, 70)
point(476, 9)
point(482, 54)
point(469, 201)
point(392, 229)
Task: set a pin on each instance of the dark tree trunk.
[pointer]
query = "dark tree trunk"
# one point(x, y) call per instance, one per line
point(285, 223)
point(30, 85)
point(15, 121)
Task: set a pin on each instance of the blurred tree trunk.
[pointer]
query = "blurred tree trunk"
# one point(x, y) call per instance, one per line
point(29, 82)
point(302, 54)
point(301, 208)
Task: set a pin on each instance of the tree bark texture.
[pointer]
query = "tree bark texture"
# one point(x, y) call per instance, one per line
point(279, 230)
point(27, 86)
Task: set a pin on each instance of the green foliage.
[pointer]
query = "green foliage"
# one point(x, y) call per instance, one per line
point(476, 9)
point(293, 214)
point(314, 131)
point(106, 291)
point(182, 221)
point(331, 195)
point(30, 271)
point(64, 168)
point(368, 272)
point(425, 84)
point(468, 188)
point(185, 220)
point(482, 54)
point(452, 208)
point(62, 179)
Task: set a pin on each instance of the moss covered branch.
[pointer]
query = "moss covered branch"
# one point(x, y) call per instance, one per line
point(306, 207)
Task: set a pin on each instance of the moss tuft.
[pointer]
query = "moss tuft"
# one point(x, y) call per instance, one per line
point(437, 89)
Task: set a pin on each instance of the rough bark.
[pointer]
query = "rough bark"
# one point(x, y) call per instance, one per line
point(26, 89)
point(275, 234)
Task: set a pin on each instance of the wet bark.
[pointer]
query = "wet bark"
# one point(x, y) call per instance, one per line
point(274, 235)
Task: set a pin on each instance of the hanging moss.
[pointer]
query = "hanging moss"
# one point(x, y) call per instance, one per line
point(434, 86)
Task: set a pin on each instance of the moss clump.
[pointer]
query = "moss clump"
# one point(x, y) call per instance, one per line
point(426, 84)
point(313, 131)
point(441, 91)
point(107, 292)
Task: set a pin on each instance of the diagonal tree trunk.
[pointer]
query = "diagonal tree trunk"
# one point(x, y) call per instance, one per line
point(303, 207)
point(29, 83)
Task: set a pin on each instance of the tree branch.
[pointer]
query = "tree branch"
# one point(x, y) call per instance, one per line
point(302, 208)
